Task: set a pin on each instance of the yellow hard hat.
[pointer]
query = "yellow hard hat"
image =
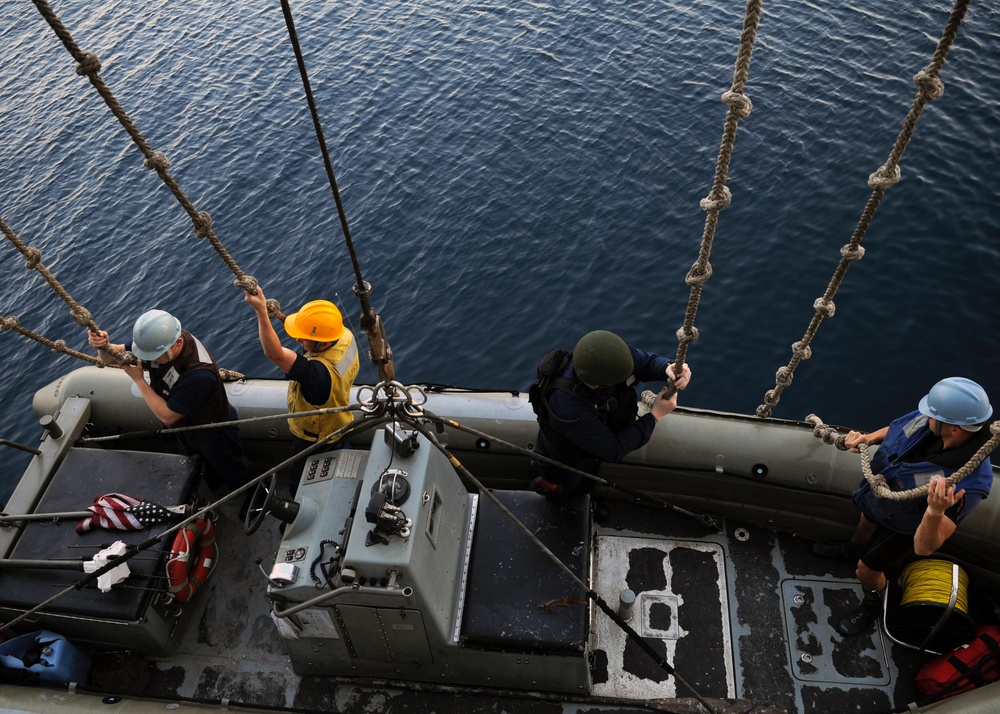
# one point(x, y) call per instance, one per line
point(319, 320)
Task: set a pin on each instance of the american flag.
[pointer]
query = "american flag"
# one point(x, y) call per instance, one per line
point(116, 511)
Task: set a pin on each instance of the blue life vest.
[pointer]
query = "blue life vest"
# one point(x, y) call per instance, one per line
point(903, 436)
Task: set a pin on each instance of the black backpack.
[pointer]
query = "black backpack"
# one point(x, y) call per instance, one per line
point(547, 378)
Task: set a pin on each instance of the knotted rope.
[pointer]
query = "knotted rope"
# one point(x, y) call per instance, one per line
point(89, 65)
point(81, 315)
point(13, 323)
point(877, 482)
point(719, 197)
point(929, 88)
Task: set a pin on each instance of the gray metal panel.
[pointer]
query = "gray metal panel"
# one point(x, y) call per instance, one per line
point(404, 631)
point(364, 633)
point(325, 506)
point(430, 556)
point(386, 634)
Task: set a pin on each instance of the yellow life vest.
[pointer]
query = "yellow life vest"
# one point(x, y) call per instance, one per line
point(342, 361)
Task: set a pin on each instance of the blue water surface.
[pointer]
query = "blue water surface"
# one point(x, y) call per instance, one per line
point(514, 176)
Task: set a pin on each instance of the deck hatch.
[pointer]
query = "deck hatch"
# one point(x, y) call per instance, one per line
point(682, 611)
point(817, 653)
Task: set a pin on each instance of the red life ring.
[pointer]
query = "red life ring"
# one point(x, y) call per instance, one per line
point(184, 574)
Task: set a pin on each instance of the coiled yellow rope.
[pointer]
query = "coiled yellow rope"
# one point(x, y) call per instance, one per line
point(930, 581)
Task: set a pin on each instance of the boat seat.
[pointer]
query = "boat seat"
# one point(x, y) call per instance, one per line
point(85, 474)
point(517, 599)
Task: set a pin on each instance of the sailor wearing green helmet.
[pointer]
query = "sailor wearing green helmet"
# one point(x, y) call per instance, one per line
point(587, 408)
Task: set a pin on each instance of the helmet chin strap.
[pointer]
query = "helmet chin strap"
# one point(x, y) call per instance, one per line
point(937, 427)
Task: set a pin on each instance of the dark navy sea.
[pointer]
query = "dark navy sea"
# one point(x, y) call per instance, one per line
point(514, 175)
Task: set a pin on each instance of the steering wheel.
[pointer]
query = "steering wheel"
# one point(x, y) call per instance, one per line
point(264, 502)
point(261, 504)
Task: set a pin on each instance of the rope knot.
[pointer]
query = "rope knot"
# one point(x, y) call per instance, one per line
point(32, 258)
point(783, 377)
point(827, 433)
point(801, 350)
point(852, 252)
point(80, 315)
point(930, 85)
point(884, 178)
point(59, 346)
point(699, 274)
point(738, 102)
point(247, 283)
point(709, 204)
point(9, 323)
point(880, 488)
point(274, 308)
point(90, 64)
point(202, 224)
point(686, 335)
point(770, 399)
point(824, 307)
point(157, 160)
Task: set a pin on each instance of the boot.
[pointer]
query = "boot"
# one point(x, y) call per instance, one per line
point(835, 549)
point(861, 619)
point(554, 493)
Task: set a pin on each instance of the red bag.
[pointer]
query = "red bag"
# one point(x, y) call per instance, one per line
point(962, 669)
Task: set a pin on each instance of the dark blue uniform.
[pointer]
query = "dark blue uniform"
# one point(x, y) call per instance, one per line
point(577, 431)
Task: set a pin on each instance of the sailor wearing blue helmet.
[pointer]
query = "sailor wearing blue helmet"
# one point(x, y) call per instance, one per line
point(923, 447)
point(184, 389)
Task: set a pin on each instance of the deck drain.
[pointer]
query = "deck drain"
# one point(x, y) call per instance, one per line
point(659, 616)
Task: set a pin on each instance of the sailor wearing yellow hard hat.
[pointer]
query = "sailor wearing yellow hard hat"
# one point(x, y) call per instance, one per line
point(319, 377)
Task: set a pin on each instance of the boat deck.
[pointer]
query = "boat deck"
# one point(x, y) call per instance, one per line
point(744, 616)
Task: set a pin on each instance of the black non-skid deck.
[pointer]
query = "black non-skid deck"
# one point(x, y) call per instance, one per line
point(744, 616)
point(767, 632)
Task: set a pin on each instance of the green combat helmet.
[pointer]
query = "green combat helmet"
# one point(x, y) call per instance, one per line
point(602, 358)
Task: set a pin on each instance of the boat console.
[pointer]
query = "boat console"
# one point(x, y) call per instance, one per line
point(393, 569)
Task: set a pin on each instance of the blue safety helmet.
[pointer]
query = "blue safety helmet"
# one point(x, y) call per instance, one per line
point(154, 333)
point(958, 401)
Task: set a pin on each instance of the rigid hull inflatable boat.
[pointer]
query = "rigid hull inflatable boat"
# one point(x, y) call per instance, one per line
point(392, 576)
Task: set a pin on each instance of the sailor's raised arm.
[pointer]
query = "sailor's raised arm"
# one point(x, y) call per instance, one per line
point(280, 355)
point(936, 527)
